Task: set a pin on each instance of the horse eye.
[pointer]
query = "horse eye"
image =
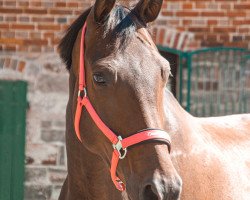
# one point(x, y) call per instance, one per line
point(99, 78)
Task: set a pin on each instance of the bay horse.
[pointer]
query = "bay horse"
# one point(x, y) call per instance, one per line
point(117, 85)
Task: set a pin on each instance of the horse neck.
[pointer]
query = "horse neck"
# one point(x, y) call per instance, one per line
point(180, 124)
point(177, 119)
point(87, 173)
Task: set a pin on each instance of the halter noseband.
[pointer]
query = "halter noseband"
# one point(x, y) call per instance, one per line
point(120, 145)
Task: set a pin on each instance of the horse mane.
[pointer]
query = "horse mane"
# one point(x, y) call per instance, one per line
point(66, 45)
point(120, 22)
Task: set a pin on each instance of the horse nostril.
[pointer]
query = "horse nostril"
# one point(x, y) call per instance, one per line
point(162, 190)
point(150, 193)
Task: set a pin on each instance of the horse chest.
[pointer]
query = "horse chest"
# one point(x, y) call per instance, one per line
point(211, 174)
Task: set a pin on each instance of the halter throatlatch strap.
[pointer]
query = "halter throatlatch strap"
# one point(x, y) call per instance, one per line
point(119, 145)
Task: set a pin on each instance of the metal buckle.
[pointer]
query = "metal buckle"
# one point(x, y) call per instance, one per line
point(84, 93)
point(118, 147)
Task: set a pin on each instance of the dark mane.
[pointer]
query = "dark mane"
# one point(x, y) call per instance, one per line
point(67, 43)
point(120, 24)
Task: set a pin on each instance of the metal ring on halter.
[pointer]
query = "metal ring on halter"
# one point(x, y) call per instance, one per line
point(84, 93)
point(118, 147)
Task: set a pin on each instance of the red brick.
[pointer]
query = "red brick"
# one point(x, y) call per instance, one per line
point(49, 162)
point(200, 5)
point(167, 13)
point(23, 26)
point(161, 36)
point(60, 12)
point(224, 29)
point(212, 22)
point(72, 4)
point(225, 6)
point(35, 42)
point(60, 4)
point(77, 12)
point(10, 48)
point(200, 36)
point(241, 22)
point(23, 4)
point(244, 30)
point(35, 11)
point(212, 14)
point(224, 37)
point(21, 66)
point(187, 6)
point(48, 35)
point(55, 41)
point(236, 14)
point(36, 35)
point(211, 37)
point(11, 41)
point(199, 29)
point(235, 44)
point(4, 26)
point(172, 22)
point(214, 43)
point(48, 27)
point(23, 48)
point(64, 27)
point(35, 4)
point(10, 10)
point(10, 3)
point(187, 13)
point(187, 22)
point(242, 6)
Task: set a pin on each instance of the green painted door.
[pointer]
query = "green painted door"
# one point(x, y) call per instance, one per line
point(13, 104)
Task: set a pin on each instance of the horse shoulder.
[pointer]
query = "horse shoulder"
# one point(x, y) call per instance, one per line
point(213, 159)
point(231, 130)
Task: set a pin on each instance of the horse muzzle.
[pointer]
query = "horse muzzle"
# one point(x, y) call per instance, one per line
point(161, 189)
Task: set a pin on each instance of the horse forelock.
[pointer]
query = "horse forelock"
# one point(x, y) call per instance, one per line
point(121, 25)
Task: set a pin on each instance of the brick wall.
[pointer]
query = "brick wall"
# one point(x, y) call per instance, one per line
point(37, 25)
point(213, 22)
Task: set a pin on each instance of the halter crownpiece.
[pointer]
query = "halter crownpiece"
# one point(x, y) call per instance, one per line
point(119, 144)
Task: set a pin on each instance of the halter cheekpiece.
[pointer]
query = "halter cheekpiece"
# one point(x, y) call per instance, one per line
point(119, 144)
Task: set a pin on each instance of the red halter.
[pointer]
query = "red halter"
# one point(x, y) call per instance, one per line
point(120, 145)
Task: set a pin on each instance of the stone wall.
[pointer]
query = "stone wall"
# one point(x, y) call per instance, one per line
point(47, 96)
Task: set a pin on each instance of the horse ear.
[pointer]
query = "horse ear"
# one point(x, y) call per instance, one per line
point(102, 9)
point(148, 10)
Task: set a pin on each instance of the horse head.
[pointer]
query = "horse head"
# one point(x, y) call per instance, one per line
point(125, 81)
